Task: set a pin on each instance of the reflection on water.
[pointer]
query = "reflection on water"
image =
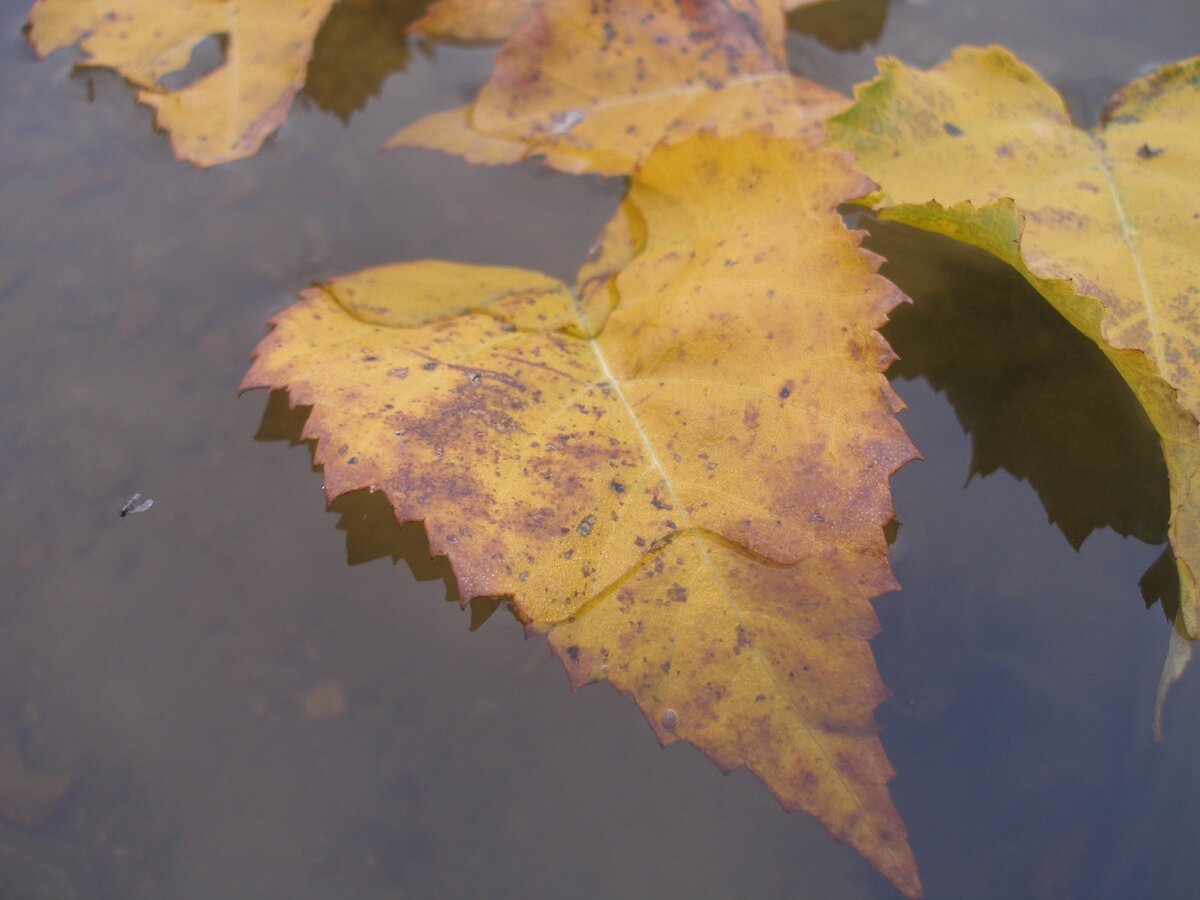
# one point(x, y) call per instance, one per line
point(1160, 584)
point(372, 532)
point(1038, 399)
point(360, 44)
point(366, 517)
point(207, 701)
point(844, 25)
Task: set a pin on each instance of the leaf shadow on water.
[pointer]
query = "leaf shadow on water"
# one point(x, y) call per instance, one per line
point(1036, 397)
point(361, 43)
point(372, 531)
point(844, 25)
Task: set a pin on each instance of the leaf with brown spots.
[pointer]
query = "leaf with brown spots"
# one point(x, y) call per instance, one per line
point(495, 20)
point(679, 474)
point(593, 86)
point(472, 20)
point(222, 116)
point(1104, 224)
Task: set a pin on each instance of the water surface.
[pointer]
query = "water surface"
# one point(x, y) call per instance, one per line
point(244, 714)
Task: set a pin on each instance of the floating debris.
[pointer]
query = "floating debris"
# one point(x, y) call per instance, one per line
point(133, 506)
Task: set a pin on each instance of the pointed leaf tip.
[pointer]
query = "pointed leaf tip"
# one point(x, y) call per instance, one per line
point(690, 500)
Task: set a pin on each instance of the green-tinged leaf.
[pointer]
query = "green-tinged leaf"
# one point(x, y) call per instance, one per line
point(1105, 224)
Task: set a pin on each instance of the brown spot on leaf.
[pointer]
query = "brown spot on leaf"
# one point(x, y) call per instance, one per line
point(750, 416)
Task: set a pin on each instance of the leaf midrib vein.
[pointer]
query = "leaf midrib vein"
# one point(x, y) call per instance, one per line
point(686, 525)
point(1100, 163)
point(1131, 245)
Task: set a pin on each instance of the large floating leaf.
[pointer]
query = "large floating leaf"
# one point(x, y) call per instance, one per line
point(1105, 224)
point(225, 115)
point(682, 479)
point(594, 86)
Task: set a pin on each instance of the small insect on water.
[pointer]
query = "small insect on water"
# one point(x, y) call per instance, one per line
point(133, 506)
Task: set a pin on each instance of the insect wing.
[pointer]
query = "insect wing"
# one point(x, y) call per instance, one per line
point(132, 505)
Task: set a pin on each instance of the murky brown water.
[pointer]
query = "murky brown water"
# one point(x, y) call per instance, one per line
point(245, 715)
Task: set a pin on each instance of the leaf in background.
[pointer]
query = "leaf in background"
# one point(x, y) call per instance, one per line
point(592, 87)
point(689, 502)
point(472, 20)
point(222, 116)
point(1105, 224)
point(361, 43)
point(497, 20)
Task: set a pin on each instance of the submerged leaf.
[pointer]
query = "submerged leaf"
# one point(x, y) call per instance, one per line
point(228, 113)
point(690, 501)
point(27, 797)
point(594, 86)
point(1105, 224)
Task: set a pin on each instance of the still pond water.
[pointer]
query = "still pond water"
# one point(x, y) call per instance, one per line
point(243, 701)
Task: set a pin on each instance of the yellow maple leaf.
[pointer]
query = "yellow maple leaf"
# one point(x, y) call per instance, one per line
point(593, 87)
point(680, 475)
point(1105, 224)
point(228, 113)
